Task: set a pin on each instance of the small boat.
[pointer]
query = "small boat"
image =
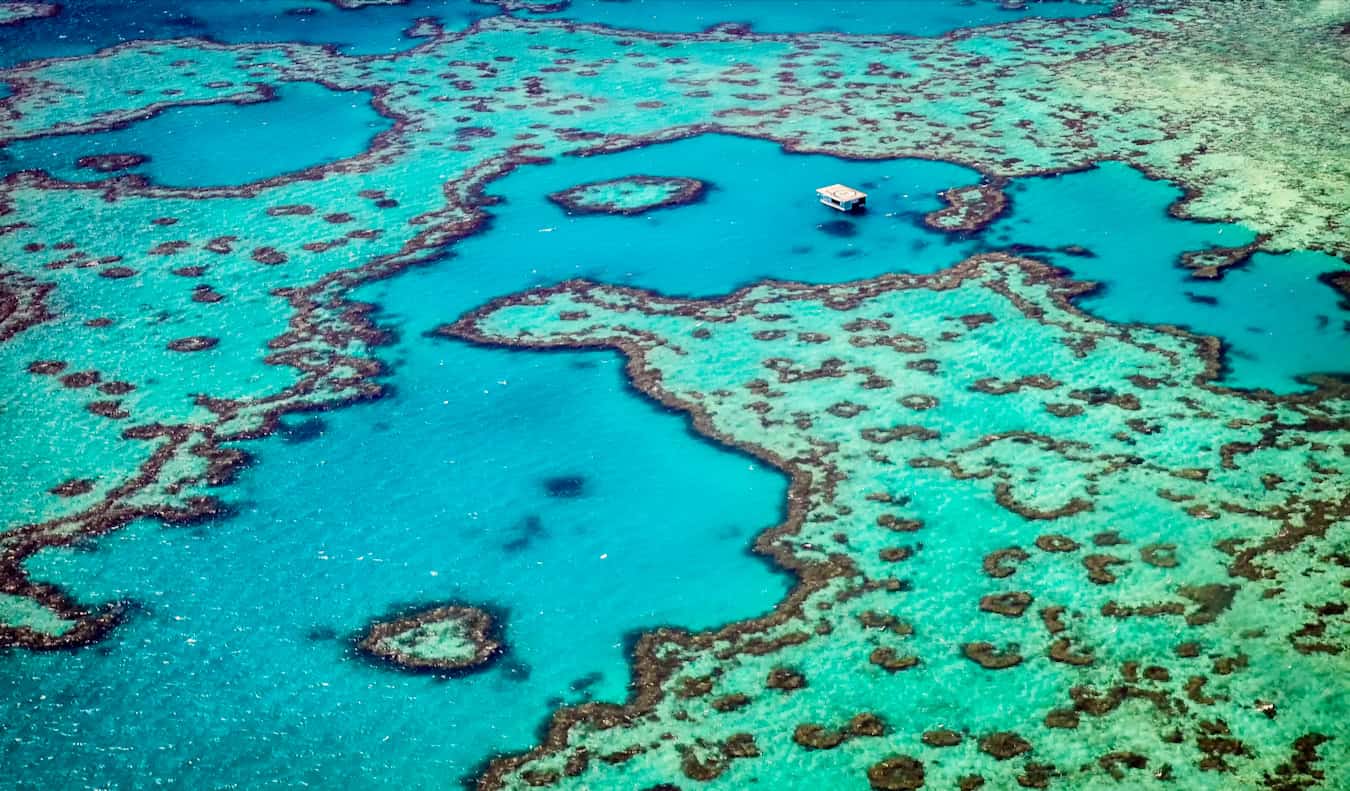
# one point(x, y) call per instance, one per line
point(842, 198)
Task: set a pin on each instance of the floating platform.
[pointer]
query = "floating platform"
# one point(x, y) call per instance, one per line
point(842, 198)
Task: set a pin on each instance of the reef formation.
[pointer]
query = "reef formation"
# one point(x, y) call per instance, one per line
point(1056, 590)
point(453, 638)
point(152, 431)
point(629, 195)
point(968, 208)
point(1033, 547)
point(18, 13)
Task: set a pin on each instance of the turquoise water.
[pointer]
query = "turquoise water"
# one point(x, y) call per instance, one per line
point(437, 492)
point(540, 484)
point(440, 491)
point(718, 245)
point(1276, 319)
point(216, 145)
point(726, 240)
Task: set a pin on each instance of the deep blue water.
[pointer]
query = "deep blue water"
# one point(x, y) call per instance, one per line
point(306, 124)
point(237, 666)
point(85, 26)
point(904, 17)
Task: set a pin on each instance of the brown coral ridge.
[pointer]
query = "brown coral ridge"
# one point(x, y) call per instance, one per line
point(23, 303)
point(482, 626)
point(896, 773)
point(970, 216)
point(354, 5)
point(813, 736)
point(572, 199)
point(652, 667)
point(1211, 264)
point(116, 509)
point(194, 343)
point(110, 163)
point(531, 6)
point(89, 626)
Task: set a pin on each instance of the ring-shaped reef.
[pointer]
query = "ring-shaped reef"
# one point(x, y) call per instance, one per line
point(629, 195)
point(451, 638)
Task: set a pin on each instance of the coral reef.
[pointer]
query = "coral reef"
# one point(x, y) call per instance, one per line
point(968, 208)
point(1149, 565)
point(629, 195)
point(18, 13)
point(453, 638)
point(1031, 96)
point(1162, 569)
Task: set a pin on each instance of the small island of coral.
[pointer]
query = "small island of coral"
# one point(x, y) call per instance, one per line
point(968, 208)
point(629, 195)
point(453, 638)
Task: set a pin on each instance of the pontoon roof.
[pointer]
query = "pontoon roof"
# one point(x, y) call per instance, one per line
point(840, 193)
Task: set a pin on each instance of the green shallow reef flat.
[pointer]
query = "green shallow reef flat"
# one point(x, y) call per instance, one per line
point(1033, 548)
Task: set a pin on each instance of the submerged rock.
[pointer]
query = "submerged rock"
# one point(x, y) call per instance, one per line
point(897, 773)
